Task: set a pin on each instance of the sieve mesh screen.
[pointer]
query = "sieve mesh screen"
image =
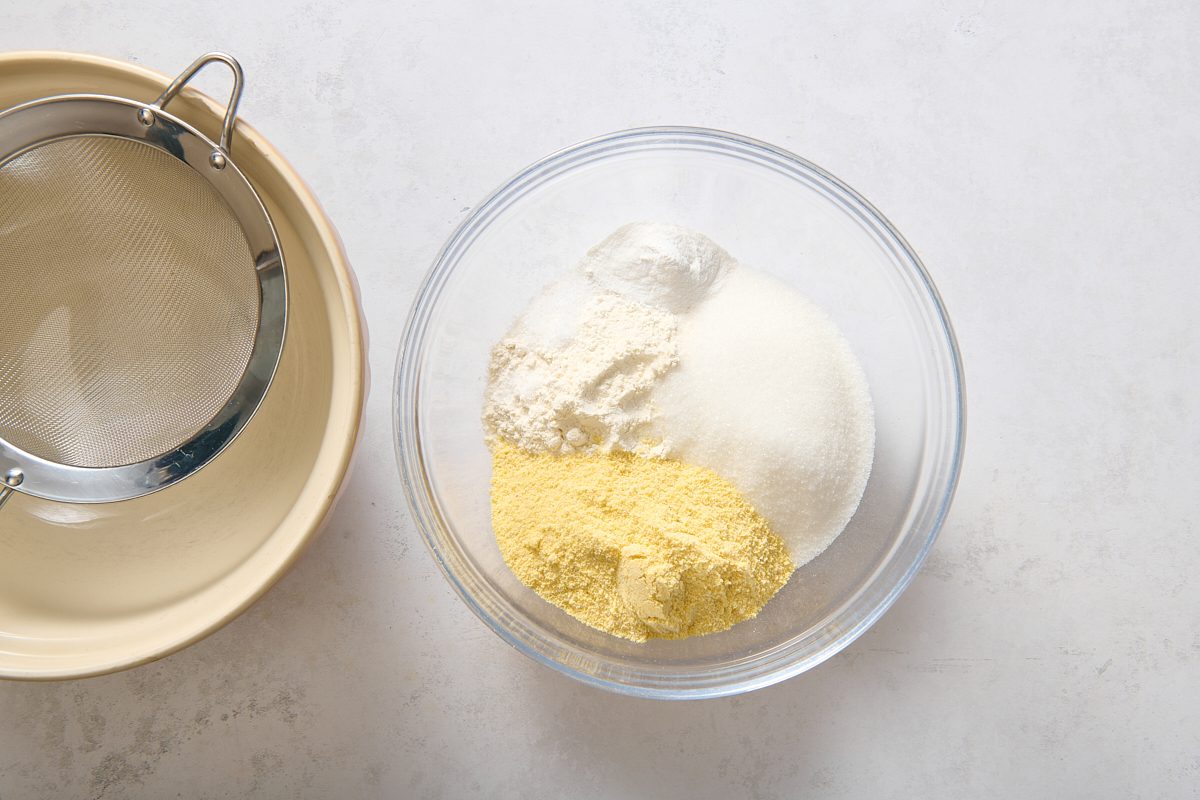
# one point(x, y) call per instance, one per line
point(130, 302)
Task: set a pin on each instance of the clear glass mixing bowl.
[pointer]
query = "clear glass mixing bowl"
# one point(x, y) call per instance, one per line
point(772, 211)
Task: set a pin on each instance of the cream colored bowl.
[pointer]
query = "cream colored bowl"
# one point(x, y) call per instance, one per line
point(89, 589)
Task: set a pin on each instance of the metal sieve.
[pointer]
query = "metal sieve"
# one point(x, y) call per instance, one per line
point(145, 296)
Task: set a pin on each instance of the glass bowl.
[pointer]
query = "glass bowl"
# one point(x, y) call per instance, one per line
point(773, 211)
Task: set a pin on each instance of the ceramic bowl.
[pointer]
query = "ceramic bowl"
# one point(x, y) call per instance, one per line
point(89, 589)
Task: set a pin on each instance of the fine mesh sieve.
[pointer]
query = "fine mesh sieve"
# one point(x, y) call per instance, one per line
point(150, 313)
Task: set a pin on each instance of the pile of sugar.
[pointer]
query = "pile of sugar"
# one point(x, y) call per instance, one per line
point(660, 343)
point(769, 395)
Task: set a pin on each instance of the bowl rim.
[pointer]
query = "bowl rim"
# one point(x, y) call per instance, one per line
point(414, 475)
point(338, 461)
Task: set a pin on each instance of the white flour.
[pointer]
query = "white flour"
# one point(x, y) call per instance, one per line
point(659, 343)
point(576, 370)
point(591, 391)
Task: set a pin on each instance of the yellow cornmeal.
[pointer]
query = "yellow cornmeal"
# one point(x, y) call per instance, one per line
point(637, 547)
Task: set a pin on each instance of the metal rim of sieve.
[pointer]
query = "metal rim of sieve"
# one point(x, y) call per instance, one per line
point(39, 122)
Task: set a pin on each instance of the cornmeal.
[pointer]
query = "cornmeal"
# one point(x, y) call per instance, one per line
point(637, 547)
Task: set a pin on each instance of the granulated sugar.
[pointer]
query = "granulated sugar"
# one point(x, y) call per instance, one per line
point(769, 395)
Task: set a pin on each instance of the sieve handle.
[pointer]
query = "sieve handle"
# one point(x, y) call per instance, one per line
point(217, 159)
point(11, 480)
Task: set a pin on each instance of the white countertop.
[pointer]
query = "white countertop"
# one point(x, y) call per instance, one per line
point(1043, 162)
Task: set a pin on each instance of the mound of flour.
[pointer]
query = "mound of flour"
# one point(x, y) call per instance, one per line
point(659, 343)
point(575, 372)
point(587, 392)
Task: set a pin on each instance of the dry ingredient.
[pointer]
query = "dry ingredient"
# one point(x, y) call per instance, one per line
point(587, 392)
point(664, 266)
point(769, 395)
point(637, 547)
point(575, 373)
point(672, 435)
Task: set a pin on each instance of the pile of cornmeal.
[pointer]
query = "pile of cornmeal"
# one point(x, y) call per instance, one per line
point(672, 434)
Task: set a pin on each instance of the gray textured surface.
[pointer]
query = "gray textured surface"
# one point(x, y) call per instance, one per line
point(1042, 161)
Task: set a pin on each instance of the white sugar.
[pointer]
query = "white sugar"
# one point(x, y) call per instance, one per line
point(769, 395)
